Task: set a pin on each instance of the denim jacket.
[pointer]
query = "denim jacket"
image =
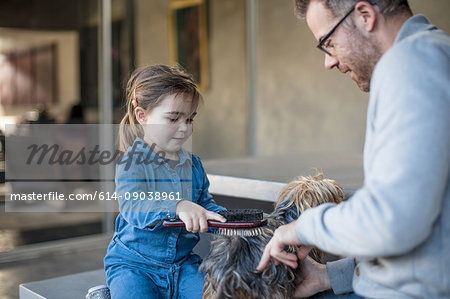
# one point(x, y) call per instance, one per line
point(148, 190)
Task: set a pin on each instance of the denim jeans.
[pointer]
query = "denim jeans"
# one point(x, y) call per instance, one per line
point(331, 295)
point(131, 276)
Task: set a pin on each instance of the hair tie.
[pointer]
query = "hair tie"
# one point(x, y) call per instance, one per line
point(134, 101)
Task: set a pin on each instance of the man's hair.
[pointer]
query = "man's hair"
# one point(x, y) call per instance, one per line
point(340, 7)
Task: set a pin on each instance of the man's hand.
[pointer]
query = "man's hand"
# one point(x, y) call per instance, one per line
point(283, 236)
point(195, 217)
point(315, 277)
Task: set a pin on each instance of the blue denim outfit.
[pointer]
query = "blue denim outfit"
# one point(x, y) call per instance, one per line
point(145, 259)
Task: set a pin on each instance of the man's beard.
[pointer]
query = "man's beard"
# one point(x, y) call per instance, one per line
point(364, 56)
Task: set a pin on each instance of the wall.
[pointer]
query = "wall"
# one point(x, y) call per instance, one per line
point(151, 32)
point(222, 123)
point(221, 126)
point(436, 11)
point(301, 107)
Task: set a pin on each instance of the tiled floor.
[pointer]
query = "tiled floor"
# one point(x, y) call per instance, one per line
point(24, 257)
point(17, 229)
point(62, 261)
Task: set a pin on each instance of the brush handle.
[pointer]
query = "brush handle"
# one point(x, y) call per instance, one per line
point(213, 223)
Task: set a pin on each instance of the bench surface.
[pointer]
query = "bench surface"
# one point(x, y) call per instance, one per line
point(69, 286)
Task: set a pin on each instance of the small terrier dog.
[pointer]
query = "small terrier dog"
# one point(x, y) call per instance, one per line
point(230, 265)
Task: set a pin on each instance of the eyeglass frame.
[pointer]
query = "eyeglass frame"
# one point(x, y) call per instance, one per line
point(327, 36)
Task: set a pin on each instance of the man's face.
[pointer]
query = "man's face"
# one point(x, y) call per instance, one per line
point(352, 51)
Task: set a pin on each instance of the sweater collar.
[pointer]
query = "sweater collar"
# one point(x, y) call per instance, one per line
point(414, 25)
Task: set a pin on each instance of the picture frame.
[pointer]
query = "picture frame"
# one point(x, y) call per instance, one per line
point(188, 38)
point(29, 76)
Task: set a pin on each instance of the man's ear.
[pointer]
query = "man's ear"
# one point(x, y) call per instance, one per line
point(140, 114)
point(366, 15)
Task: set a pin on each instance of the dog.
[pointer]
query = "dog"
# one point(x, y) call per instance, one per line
point(230, 265)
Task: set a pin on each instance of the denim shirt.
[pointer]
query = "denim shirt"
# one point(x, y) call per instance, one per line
point(143, 180)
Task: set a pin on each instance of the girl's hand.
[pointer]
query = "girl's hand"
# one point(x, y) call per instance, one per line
point(195, 217)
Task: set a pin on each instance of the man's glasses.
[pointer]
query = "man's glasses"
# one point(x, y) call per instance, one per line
point(322, 42)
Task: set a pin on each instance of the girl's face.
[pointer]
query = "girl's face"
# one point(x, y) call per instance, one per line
point(169, 124)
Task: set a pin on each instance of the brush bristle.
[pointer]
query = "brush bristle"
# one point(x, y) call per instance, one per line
point(248, 232)
point(242, 215)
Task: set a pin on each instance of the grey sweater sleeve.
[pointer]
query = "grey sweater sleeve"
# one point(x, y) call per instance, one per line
point(341, 275)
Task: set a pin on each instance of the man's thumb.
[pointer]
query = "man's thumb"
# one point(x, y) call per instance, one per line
point(303, 251)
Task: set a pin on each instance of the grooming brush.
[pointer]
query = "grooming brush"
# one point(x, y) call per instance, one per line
point(241, 222)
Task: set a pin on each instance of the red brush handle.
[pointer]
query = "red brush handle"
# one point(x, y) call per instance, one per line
point(213, 223)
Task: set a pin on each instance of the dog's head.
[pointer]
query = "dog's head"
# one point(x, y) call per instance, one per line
point(230, 267)
point(306, 192)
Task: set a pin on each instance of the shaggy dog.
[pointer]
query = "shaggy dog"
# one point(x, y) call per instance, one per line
point(230, 265)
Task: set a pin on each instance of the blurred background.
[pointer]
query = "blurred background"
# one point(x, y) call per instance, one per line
point(266, 93)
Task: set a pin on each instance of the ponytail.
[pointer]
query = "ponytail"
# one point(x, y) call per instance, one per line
point(129, 130)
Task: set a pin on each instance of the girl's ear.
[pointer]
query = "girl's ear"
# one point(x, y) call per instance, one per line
point(140, 115)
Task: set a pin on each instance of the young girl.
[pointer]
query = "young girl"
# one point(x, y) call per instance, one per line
point(157, 179)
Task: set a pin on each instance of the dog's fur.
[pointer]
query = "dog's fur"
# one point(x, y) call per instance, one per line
point(230, 266)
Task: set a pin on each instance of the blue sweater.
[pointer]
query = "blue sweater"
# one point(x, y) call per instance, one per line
point(397, 226)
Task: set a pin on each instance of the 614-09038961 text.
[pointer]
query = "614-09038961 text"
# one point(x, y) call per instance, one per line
point(141, 196)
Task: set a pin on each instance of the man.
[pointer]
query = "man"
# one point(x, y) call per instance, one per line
point(396, 228)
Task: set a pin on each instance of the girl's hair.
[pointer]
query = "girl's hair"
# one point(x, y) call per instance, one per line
point(148, 86)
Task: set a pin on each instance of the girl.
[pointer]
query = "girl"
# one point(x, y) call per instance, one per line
point(157, 179)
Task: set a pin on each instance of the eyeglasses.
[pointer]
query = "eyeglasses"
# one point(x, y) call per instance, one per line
point(324, 39)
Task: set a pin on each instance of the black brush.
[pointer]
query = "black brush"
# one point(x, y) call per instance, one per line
point(240, 222)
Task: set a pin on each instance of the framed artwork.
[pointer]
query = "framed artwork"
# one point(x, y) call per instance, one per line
point(29, 77)
point(188, 38)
